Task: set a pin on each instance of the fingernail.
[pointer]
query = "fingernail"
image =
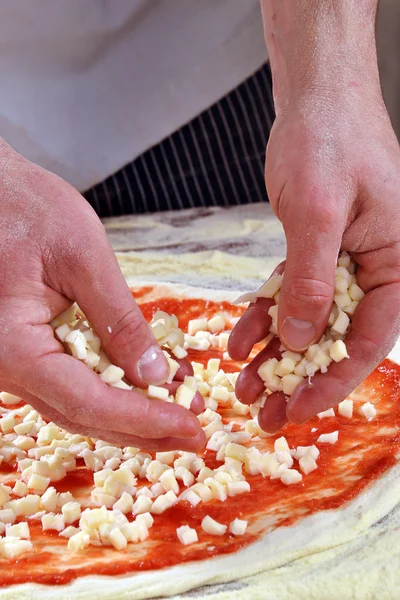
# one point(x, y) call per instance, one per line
point(297, 334)
point(152, 366)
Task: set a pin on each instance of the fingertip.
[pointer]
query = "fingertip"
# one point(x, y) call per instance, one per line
point(272, 416)
point(197, 405)
point(249, 386)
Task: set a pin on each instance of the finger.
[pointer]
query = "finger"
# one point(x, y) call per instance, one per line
point(249, 385)
point(101, 291)
point(313, 234)
point(113, 437)
point(197, 405)
point(374, 331)
point(272, 416)
point(251, 328)
point(70, 387)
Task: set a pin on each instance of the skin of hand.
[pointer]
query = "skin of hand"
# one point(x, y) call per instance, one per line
point(333, 179)
point(53, 251)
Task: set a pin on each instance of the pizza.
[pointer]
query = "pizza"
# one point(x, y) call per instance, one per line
point(82, 518)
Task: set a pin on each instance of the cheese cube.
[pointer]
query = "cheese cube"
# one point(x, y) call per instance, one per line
point(158, 393)
point(20, 489)
point(186, 535)
point(184, 396)
point(281, 445)
point(79, 541)
point(356, 293)
point(201, 490)
point(212, 527)
point(307, 464)
point(69, 532)
point(338, 351)
point(196, 325)
point(117, 539)
point(12, 547)
point(52, 521)
point(21, 530)
point(8, 399)
point(71, 512)
point(285, 366)
point(368, 410)
point(291, 476)
point(49, 500)
point(163, 502)
point(169, 481)
point(329, 438)
point(38, 483)
point(191, 497)
point(142, 505)
point(345, 408)
point(7, 515)
point(112, 374)
point(341, 324)
point(237, 487)
point(235, 451)
point(326, 413)
point(238, 527)
point(290, 383)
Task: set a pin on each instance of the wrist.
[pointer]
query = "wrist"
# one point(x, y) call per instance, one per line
point(321, 47)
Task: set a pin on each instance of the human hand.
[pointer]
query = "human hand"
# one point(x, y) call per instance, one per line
point(333, 178)
point(54, 251)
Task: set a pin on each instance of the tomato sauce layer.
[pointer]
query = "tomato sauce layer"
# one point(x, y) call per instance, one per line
point(364, 451)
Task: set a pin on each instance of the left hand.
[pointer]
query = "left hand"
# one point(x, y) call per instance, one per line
point(333, 178)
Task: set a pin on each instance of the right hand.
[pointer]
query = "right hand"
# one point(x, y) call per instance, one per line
point(54, 251)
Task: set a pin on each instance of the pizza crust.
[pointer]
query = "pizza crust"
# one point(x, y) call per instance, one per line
point(365, 528)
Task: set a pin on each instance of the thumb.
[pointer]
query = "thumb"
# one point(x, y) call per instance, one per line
point(101, 291)
point(313, 241)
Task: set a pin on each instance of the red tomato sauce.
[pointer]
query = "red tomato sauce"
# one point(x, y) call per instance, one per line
point(364, 451)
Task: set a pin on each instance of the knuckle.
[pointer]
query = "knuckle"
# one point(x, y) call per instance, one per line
point(309, 290)
point(130, 330)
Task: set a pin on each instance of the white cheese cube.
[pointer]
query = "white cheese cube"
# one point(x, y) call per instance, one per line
point(290, 383)
point(338, 351)
point(142, 505)
point(285, 366)
point(157, 393)
point(326, 413)
point(267, 370)
point(38, 483)
point(169, 481)
point(345, 408)
point(52, 521)
point(203, 491)
point(368, 410)
point(49, 500)
point(179, 352)
point(238, 527)
point(71, 512)
point(212, 527)
point(329, 438)
point(20, 530)
point(8, 399)
point(269, 465)
point(291, 476)
point(112, 374)
point(11, 548)
point(281, 445)
point(237, 487)
point(307, 464)
point(356, 293)
point(191, 497)
point(196, 325)
point(69, 532)
point(7, 515)
point(186, 535)
point(79, 541)
point(341, 324)
point(184, 396)
point(117, 539)
point(235, 451)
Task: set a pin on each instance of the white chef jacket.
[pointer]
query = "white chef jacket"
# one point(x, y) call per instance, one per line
point(88, 85)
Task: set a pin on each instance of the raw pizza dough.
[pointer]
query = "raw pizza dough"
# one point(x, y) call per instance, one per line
point(292, 562)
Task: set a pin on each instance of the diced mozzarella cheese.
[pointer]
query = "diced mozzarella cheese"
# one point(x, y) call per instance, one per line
point(238, 527)
point(368, 410)
point(186, 535)
point(212, 527)
point(326, 413)
point(345, 408)
point(329, 438)
point(291, 476)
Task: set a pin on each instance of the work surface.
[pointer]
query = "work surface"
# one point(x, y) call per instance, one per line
point(194, 239)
